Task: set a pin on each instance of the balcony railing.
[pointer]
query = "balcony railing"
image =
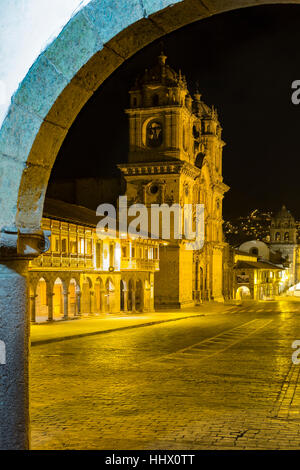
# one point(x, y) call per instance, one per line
point(139, 264)
point(62, 260)
point(75, 260)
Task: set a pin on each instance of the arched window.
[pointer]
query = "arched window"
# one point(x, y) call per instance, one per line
point(277, 237)
point(286, 236)
point(199, 160)
point(154, 134)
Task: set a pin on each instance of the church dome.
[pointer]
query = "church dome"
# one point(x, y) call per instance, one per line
point(200, 108)
point(284, 213)
point(161, 74)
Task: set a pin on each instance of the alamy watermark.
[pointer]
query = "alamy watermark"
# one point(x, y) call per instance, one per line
point(296, 345)
point(159, 221)
point(296, 94)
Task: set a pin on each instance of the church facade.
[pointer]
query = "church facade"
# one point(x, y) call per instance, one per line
point(283, 239)
point(175, 157)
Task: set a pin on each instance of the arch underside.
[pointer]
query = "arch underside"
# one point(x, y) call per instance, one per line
point(95, 42)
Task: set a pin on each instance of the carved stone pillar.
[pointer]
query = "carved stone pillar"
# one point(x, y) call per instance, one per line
point(50, 296)
point(125, 292)
point(66, 305)
point(78, 303)
point(33, 308)
point(92, 305)
point(16, 250)
point(133, 301)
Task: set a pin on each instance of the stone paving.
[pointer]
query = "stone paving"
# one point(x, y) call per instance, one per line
point(222, 381)
point(48, 332)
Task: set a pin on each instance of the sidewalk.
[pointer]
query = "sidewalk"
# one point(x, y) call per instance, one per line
point(105, 323)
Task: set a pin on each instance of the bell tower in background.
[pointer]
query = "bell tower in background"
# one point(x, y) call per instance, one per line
point(175, 157)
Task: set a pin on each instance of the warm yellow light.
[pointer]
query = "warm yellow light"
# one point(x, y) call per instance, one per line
point(117, 257)
point(105, 262)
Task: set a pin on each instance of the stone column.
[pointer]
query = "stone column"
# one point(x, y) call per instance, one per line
point(33, 308)
point(14, 332)
point(78, 302)
point(66, 305)
point(133, 300)
point(125, 301)
point(16, 249)
point(50, 306)
point(92, 300)
point(102, 301)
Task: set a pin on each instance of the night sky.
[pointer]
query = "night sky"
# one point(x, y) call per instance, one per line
point(244, 62)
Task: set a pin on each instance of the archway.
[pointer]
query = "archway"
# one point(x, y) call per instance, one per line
point(41, 303)
point(58, 299)
point(57, 86)
point(86, 296)
point(243, 293)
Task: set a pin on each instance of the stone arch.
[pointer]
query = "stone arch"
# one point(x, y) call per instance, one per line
point(60, 82)
point(243, 292)
point(59, 290)
point(42, 293)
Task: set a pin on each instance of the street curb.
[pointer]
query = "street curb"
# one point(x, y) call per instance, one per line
point(93, 333)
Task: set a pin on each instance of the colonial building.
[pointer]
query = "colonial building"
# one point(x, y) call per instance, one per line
point(81, 274)
point(251, 274)
point(283, 239)
point(175, 157)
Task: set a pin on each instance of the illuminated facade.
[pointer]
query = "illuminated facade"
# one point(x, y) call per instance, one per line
point(175, 157)
point(283, 239)
point(257, 280)
point(250, 276)
point(81, 274)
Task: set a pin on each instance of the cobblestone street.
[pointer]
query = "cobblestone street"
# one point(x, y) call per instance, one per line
point(224, 380)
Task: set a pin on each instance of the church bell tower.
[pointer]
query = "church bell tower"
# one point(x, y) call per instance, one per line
point(283, 238)
point(175, 157)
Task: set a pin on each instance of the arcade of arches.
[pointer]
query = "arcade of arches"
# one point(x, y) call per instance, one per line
point(66, 298)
